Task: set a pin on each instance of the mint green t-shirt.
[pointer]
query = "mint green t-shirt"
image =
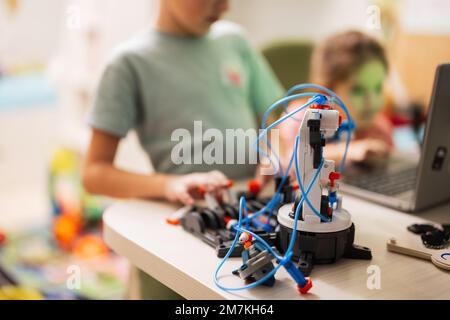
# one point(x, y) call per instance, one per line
point(158, 83)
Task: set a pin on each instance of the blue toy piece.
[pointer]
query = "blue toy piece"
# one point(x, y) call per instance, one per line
point(256, 263)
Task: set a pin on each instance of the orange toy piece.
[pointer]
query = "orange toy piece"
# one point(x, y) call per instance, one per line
point(65, 230)
point(90, 246)
point(254, 186)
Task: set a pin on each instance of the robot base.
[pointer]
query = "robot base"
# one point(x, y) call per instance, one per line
point(322, 247)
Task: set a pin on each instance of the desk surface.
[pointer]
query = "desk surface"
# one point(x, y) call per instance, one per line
point(137, 230)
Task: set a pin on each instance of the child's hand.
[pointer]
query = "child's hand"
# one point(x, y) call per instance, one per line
point(368, 151)
point(182, 188)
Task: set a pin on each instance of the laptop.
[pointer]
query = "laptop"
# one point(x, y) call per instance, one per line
point(409, 185)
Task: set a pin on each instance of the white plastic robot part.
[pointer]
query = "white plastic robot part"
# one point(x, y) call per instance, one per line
point(329, 122)
point(341, 221)
point(328, 167)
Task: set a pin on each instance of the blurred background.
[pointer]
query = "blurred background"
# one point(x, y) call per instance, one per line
point(51, 55)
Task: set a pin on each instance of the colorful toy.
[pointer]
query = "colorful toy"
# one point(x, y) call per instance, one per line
point(65, 229)
point(76, 213)
point(325, 231)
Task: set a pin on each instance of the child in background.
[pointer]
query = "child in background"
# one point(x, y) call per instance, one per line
point(186, 68)
point(354, 66)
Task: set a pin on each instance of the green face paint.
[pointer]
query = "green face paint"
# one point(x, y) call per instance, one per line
point(366, 92)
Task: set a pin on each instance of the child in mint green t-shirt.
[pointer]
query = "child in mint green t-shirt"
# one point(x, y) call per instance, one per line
point(187, 69)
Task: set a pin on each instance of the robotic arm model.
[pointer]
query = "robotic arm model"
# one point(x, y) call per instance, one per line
point(325, 230)
point(314, 229)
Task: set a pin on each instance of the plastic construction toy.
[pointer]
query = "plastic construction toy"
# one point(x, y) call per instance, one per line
point(213, 223)
point(325, 232)
point(432, 237)
point(300, 225)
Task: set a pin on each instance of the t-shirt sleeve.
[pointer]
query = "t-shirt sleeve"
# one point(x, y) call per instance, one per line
point(115, 104)
point(265, 88)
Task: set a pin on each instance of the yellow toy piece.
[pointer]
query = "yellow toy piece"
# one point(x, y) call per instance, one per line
point(64, 161)
point(19, 293)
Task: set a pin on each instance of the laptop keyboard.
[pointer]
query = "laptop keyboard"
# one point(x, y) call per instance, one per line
point(392, 183)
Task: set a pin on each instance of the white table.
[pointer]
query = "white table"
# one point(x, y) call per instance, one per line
point(137, 230)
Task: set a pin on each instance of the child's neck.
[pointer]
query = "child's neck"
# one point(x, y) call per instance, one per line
point(167, 25)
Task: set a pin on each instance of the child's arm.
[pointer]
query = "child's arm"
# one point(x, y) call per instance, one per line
point(100, 176)
point(367, 150)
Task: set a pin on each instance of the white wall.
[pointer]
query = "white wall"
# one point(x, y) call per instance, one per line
point(266, 20)
point(37, 30)
point(41, 25)
point(32, 33)
point(434, 17)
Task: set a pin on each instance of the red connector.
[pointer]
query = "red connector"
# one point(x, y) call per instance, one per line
point(306, 287)
point(201, 191)
point(334, 176)
point(320, 106)
point(253, 186)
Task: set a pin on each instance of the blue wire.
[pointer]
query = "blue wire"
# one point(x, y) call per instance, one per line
point(327, 91)
point(242, 204)
point(289, 115)
point(274, 124)
point(297, 211)
point(288, 169)
point(340, 103)
point(277, 104)
point(263, 242)
point(277, 193)
point(315, 99)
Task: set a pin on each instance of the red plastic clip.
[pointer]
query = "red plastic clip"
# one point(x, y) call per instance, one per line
point(334, 176)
